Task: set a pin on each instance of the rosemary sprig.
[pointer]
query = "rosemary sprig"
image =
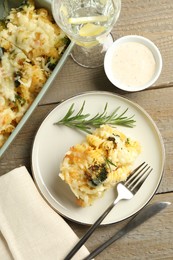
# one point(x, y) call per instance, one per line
point(83, 122)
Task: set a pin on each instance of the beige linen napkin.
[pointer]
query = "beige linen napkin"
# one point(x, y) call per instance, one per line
point(29, 227)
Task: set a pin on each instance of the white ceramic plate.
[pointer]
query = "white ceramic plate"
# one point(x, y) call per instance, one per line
point(52, 142)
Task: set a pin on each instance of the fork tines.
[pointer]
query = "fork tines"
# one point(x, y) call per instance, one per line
point(138, 176)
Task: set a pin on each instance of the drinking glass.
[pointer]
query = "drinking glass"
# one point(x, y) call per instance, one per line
point(88, 24)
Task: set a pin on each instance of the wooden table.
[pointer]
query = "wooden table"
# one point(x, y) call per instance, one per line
point(154, 20)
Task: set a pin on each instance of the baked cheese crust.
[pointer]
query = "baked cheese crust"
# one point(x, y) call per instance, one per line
point(99, 163)
point(30, 46)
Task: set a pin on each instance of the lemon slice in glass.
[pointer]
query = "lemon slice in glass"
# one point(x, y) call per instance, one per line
point(87, 44)
point(87, 19)
point(90, 30)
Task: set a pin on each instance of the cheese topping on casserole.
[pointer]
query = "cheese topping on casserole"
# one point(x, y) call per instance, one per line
point(99, 163)
point(30, 46)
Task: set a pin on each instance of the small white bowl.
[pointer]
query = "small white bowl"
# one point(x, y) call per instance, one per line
point(112, 70)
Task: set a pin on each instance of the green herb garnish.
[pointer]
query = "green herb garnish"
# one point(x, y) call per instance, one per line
point(98, 174)
point(83, 122)
point(109, 163)
point(20, 100)
point(52, 62)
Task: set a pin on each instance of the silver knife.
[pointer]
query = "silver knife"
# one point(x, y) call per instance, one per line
point(144, 214)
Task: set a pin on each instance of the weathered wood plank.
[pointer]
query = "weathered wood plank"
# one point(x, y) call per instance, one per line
point(151, 240)
point(157, 103)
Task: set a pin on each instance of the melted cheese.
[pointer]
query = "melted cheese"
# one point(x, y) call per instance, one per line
point(29, 41)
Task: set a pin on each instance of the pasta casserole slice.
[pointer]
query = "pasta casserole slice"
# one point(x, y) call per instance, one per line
point(99, 163)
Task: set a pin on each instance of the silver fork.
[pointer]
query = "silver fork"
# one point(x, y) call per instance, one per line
point(126, 190)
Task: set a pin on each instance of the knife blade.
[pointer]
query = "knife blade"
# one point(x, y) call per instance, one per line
point(144, 214)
